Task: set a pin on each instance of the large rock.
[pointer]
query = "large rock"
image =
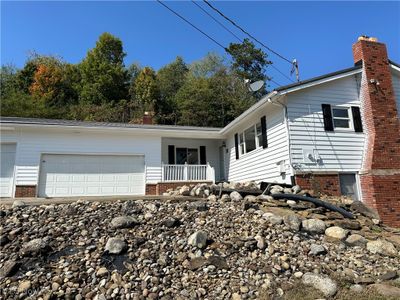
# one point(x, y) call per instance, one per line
point(9, 268)
point(171, 222)
point(385, 290)
point(218, 262)
point(198, 239)
point(235, 196)
point(18, 203)
point(382, 247)
point(273, 219)
point(361, 208)
point(36, 246)
point(356, 240)
point(184, 191)
point(336, 233)
point(322, 283)
point(115, 246)
point(123, 222)
point(292, 221)
point(316, 249)
point(313, 226)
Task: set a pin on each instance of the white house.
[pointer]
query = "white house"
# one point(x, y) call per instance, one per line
point(320, 133)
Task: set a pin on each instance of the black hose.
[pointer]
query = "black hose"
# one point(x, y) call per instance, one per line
point(317, 202)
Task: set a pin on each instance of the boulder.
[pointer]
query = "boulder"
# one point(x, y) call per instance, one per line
point(385, 290)
point(313, 226)
point(18, 203)
point(296, 189)
point(273, 219)
point(361, 208)
point(336, 233)
point(356, 240)
point(225, 198)
point(123, 222)
point(199, 206)
point(235, 196)
point(316, 249)
point(115, 246)
point(24, 286)
point(322, 283)
point(218, 262)
point(171, 222)
point(198, 239)
point(292, 221)
point(9, 268)
point(184, 190)
point(382, 247)
point(36, 246)
point(212, 198)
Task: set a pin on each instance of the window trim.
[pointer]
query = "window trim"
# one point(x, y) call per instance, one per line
point(350, 118)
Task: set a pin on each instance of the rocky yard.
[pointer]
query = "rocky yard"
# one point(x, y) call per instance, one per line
point(197, 246)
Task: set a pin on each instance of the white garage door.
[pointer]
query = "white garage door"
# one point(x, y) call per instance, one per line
point(7, 153)
point(91, 175)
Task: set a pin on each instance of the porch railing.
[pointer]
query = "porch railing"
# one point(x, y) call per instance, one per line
point(188, 172)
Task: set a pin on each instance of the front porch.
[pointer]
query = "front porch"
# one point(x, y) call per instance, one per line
point(187, 173)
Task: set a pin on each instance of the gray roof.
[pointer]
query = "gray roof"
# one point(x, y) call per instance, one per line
point(73, 123)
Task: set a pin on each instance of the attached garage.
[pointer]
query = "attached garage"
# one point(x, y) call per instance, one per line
point(7, 153)
point(65, 175)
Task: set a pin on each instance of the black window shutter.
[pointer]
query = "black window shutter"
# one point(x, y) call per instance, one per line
point(328, 121)
point(203, 159)
point(355, 111)
point(264, 132)
point(171, 154)
point(237, 145)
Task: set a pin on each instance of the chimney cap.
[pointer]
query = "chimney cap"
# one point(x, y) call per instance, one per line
point(367, 38)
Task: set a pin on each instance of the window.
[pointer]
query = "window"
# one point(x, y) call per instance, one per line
point(341, 117)
point(187, 155)
point(250, 139)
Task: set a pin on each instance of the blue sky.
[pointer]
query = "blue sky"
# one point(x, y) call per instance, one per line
point(318, 34)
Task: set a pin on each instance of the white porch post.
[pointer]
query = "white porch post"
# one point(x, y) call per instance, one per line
point(185, 172)
point(162, 172)
point(210, 173)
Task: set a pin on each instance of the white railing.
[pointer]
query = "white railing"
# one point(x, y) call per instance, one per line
point(188, 173)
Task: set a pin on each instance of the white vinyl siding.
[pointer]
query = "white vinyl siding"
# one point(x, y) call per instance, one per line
point(396, 87)
point(33, 142)
point(340, 150)
point(260, 164)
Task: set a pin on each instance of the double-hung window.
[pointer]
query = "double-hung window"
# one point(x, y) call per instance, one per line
point(341, 117)
point(250, 139)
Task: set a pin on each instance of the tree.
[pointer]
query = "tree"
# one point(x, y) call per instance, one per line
point(145, 89)
point(133, 72)
point(104, 77)
point(248, 62)
point(170, 79)
point(208, 66)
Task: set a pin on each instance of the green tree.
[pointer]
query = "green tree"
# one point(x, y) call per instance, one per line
point(249, 62)
point(103, 74)
point(170, 79)
point(208, 66)
point(146, 91)
point(133, 72)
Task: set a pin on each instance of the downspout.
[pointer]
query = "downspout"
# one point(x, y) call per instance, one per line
point(285, 112)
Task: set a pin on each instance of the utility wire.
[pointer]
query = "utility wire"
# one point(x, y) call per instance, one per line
point(238, 38)
point(245, 32)
point(191, 24)
point(201, 31)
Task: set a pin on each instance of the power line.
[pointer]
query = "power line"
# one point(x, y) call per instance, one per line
point(211, 16)
point(201, 31)
point(238, 38)
point(245, 32)
point(191, 24)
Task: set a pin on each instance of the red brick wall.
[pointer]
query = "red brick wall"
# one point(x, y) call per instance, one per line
point(22, 191)
point(328, 184)
point(382, 192)
point(151, 189)
point(380, 172)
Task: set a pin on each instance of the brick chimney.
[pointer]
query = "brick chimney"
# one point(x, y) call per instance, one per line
point(380, 172)
point(147, 118)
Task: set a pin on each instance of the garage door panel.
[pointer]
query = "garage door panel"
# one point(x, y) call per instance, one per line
point(91, 175)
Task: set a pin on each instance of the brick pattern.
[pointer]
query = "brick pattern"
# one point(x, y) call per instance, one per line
point(24, 191)
point(151, 189)
point(382, 192)
point(382, 128)
point(327, 184)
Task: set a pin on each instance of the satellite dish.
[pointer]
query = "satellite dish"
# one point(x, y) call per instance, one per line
point(255, 86)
